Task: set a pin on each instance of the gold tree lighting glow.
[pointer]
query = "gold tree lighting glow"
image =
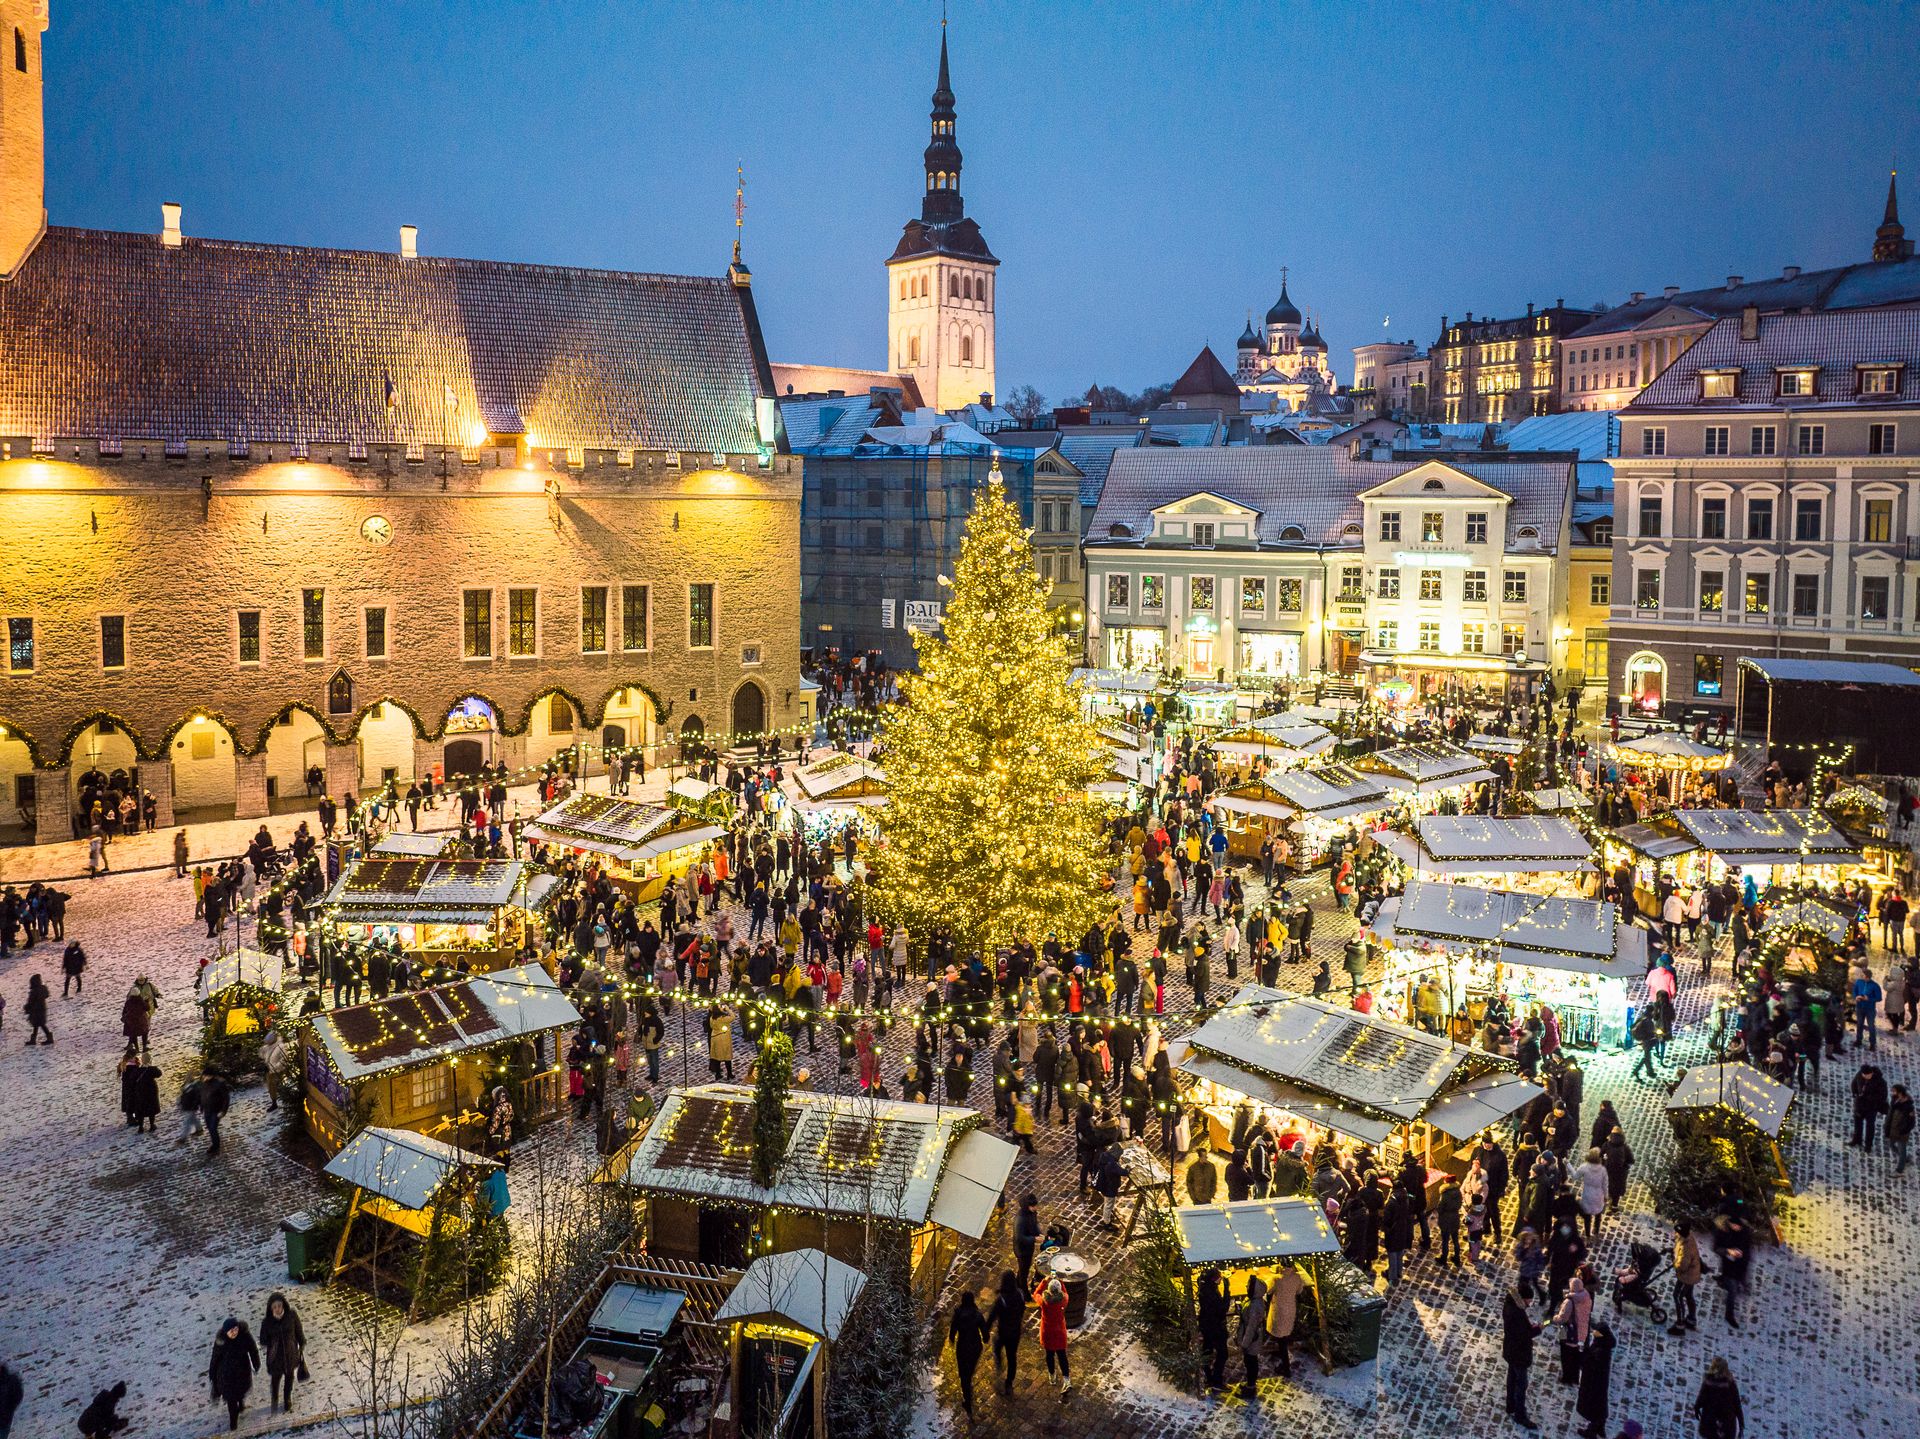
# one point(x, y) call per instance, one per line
point(990, 829)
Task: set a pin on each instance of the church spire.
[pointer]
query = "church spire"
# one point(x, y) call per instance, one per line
point(1890, 241)
point(941, 204)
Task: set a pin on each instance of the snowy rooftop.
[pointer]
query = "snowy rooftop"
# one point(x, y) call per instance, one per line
point(383, 890)
point(845, 776)
point(401, 1167)
point(1756, 1097)
point(811, 1291)
point(427, 1024)
point(1458, 844)
point(1253, 1231)
point(1427, 768)
point(1330, 792)
point(1771, 836)
point(623, 829)
point(1582, 935)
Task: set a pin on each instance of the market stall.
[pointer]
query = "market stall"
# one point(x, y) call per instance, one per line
point(1806, 937)
point(1647, 852)
point(1310, 804)
point(1263, 1237)
point(1456, 953)
point(416, 844)
point(1527, 848)
point(1738, 1114)
point(427, 1060)
point(420, 1190)
point(694, 796)
point(927, 1170)
point(1768, 845)
point(641, 846)
point(1281, 740)
point(784, 1319)
point(1329, 1068)
point(1554, 801)
point(1114, 691)
point(463, 915)
point(1496, 744)
point(1429, 775)
point(241, 998)
point(1209, 704)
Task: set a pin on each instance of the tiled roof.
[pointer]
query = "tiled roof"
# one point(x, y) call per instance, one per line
point(1835, 340)
point(1843, 287)
point(116, 336)
point(1315, 487)
point(1092, 454)
point(1206, 376)
point(822, 379)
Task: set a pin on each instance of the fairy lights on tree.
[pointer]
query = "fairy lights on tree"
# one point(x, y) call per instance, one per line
point(991, 830)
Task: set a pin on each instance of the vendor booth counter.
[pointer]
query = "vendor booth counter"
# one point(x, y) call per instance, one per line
point(1310, 805)
point(641, 846)
point(466, 915)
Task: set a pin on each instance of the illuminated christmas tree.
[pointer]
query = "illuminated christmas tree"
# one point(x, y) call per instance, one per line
point(990, 829)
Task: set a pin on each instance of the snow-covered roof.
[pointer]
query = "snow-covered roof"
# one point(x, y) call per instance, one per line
point(1495, 744)
point(693, 789)
point(1547, 801)
point(1787, 915)
point(1426, 768)
point(1770, 836)
point(845, 777)
point(1253, 1231)
point(1459, 844)
point(1481, 1102)
point(1832, 672)
point(623, 829)
point(1656, 841)
point(1281, 1094)
point(400, 1166)
point(1760, 1099)
point(387, 890)
point(1115, 681)
point(886, 1159)
point(811, 1291)
point(1276, 732)
point(427, 844)
point(242, 966)
point(422, 1025)
point(1332, 791)
point(1546, 932)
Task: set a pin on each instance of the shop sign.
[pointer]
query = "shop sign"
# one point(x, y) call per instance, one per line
point(923, 615)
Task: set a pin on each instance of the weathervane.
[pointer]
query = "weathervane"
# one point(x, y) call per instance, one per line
point(739, 208)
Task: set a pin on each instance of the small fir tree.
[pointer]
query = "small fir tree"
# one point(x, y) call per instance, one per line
point(774, 1078)
point(990, 829)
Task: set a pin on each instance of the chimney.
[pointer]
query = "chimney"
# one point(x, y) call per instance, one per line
point(1792, 272)
point(170, 225)
point(1636, 297)
point(1734, 282)
point(1672, 290)
point(409, 242)
point(1750, 322)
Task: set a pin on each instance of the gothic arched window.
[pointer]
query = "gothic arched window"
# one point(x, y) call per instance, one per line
point(966, 349)
point(340, 694)
point(953, 287)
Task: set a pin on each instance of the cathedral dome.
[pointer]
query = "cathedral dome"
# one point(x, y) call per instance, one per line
point(1283, 311)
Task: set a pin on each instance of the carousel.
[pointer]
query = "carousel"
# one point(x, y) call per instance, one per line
point(640, 846)
point(1669, 756)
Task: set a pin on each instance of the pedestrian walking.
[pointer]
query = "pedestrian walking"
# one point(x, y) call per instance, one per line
point(36, 1011)
point(1052, 1299)
point(1687, 1270)
point(1733, 1241)
point(1899, 1126)
point(1212, 1304)
point(230, 1370)
point(283, 1342)
point(1008, 1314)
point(967, 1332)
point(1026, 1236)
point(1518, 1331)
point(1717, 1406)
point(1869, 1103)
point(1575, 1318)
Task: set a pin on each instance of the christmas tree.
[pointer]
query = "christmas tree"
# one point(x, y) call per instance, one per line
point(989, 826)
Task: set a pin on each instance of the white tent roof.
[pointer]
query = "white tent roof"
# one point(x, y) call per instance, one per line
point(1459, 844)
point(1252, 1231)
point(830, 774)
point(691, 787)
point(1782, 837)
point(1240, 804)
point(1332, 791)
point(802, 1287)
point(430, 844)
point(400, 1166)
point(975, 1178)
point(624, 829)
point(1811, 914)
point(1427, 768)
point(1495, 744)
point(242, 966)
point(1754, 1096)
point(1483, 1100)
point(1581, 935)
point(1114, 681)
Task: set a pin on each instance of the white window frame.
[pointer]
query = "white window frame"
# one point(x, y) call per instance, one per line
point(1125, 579)
point(100, 631)
point(460, 629)
point(1724, 435)
point(259, 611)
point(713, 617)
point(1763, 440)
point(1810, 439)
point(1161, 578)
point(606, 628)
point(1653, 441)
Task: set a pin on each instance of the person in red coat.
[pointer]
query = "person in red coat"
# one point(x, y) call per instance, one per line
point(1052, 1299)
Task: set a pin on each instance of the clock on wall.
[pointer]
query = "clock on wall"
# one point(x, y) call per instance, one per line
point(377, 530)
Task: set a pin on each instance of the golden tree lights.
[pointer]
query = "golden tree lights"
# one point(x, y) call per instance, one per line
point(990, 829)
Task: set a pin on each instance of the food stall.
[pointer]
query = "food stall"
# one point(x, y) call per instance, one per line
point(1451, 948)
point(1249, 1237)
point(1536, 851)
point(427, 1060)
point(640, 846)
point(839, 790)
point(1427, 776)
point(415, 1187)
point(928, 1171)
point(1312, 804)
point(1359, 1076)
point(466, 915)
point(1669, 755)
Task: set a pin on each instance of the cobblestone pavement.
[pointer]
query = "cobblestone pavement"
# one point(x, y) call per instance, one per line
point(121, 1253)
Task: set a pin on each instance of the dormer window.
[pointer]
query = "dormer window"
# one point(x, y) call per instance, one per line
point(1434, 485)
point(1877, 379)
point(1719, 384)
point(1292, 534)
point(1788, 383)
point(1203, 536)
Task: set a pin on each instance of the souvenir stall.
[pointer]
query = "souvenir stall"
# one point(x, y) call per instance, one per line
point(928, 1171)
point(691, 795)
point(1280, 740)
point(464, 915)
point(1647, 851)
point(1805, 937)
point(838, 790)
point(1324, 1067)
point(1311, 805)
point(1428, 776)
point(427, 1060)
point(1209, 704)
point(418, 1190)
point(1453, 950)
point(1771, 845)
point(1263, 1237)
point(1669, 756)
point(1864, 816)
point(1544, 853)
point(640, 846)
point(1130, 753)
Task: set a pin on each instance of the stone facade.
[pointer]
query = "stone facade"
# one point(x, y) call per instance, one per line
point(178, 548)
point(23, 201)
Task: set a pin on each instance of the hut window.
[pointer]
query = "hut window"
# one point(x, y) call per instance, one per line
point(429, 1087)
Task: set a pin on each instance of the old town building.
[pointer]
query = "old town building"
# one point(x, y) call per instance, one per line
point(1765, 497)
point(275, 509)
point(1502, 369)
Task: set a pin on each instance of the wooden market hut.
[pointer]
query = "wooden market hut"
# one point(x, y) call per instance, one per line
point(1743, 1110)
point(701, 798)
point(784, 1318)
point(427, 1060)
point(841, 781)
point(1765, 840)
point(467, 915)
point(1805, 937)
point(416, 844)
point(927, 1170)
point(1426, 773)
point(1280, 739)
point(1246, 1237)
point(410, 1184)
point(1454, 846)
point(241, 996)
point(1386, 1085)
point(1308, 803)
point(641, 845)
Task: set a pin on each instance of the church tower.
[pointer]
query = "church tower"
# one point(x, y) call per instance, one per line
point(941, 278)
point(23, 139)
point(1890, 241)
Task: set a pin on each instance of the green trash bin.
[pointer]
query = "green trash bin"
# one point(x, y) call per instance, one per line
point(299, 1229)
point(1364, 1312)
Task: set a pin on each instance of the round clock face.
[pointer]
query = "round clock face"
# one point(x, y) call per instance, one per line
point(378, 530)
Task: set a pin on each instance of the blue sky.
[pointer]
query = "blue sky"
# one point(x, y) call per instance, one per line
point(1142, 170)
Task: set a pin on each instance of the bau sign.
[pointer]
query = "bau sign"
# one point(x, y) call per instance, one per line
point(923, 614)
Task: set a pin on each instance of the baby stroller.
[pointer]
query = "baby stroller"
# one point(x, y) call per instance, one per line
point(1630, 1283)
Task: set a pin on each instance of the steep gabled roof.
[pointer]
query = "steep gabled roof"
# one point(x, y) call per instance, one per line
point(1206, 376)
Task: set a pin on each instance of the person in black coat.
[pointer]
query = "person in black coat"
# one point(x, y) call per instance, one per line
point(230, 1370)
point(1596, 1376)
point(1213, 1307)
point(99, 1419)
point(1006, 1317)
point(1493, 1164)
point(1026, 1237)
point(36, 1008)
point(968, 1334)
point(1518, 1331)
point(284, 1341)
point(12, 1391)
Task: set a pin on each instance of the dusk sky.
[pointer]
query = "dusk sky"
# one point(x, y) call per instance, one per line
point(1142, 171)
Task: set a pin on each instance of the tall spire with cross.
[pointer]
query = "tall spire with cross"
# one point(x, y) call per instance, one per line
point(1890, 241)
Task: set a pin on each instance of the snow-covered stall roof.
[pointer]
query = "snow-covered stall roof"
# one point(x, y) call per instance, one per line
point(401, 1167)
point(1484, 1100)
point(1786, 915)
point(1122, 682)
point(1253, 1231)
point(1582, 935)
point(622, 829)
point(242, 966)
point(1549, 801)
point(975, 1178)
point(1656, 841)
point(386, 890)
point(1278, 735)
point(1782, 837)
point(842, 779)
point(1458, 844)
point(1758, 1098)
point(1333, 791)
point(887, 1159)
point(811, 1291)
point(1426, 768)
point(403, 1030)
point(1361, 1059)
point(1264, 1088)
point(1495, 744)
point(694, 790)
point(406, 844)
